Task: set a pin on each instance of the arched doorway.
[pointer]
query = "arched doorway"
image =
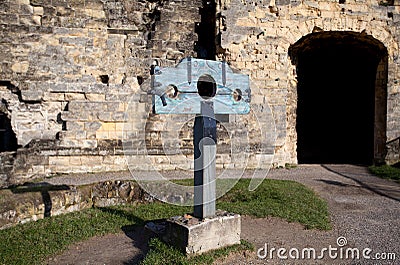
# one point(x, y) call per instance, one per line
point(341, 97)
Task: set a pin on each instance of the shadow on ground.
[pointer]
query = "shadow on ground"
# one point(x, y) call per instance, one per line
point(137, 233)
point(388, 189)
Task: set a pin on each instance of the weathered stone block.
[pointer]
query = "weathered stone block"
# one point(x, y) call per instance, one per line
point(92, 126)
point(32, 95)
point(38, 10)
point(22, 2)
point(74, 96)
point(195, 237)
point(95, 97)
point(20, 67)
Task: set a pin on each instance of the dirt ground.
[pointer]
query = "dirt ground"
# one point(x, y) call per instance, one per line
point(364, 210)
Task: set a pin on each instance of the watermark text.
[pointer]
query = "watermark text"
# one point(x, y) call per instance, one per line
point(333, 252)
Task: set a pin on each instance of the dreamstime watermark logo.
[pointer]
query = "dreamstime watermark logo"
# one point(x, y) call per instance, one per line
point(157, 146)
point(340, 251)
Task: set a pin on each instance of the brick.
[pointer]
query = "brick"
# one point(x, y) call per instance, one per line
point(22, 2)
point(20, 67)
point(38, 10)
point(75, 160)
point(108, 126)
point(95, 97)
point(59, 160)
point(102, 135)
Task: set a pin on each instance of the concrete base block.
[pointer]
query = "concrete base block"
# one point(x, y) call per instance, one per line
point(194, 236)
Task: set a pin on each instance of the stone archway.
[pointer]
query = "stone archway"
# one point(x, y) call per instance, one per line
point(341, 97)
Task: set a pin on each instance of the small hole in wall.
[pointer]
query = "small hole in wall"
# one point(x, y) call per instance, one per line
point(386, 2)
point(62, 122)
point(140, 80)
point(342, 1)
point(390, 14)
point(104, 79)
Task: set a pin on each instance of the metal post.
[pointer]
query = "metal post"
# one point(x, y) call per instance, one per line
point(205, 139)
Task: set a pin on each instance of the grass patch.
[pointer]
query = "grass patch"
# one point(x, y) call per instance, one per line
point(290, 166)
point(386, 172)
point(161, 253)
point(280, 198)
point(33, 242)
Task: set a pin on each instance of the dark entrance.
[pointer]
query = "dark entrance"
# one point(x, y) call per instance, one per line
point(206, 31)
point(8, 140)
point(336, 74)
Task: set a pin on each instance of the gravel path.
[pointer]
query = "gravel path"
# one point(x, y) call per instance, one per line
point(364, 209)
point(358, 208)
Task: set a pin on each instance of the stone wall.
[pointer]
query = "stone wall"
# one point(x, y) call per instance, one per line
point(257, 35)
point(69, 70)
point(72, 66)
point(74, 78)
point(37, 201)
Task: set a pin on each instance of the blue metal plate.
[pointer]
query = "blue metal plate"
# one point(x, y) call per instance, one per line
point(232, 95)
